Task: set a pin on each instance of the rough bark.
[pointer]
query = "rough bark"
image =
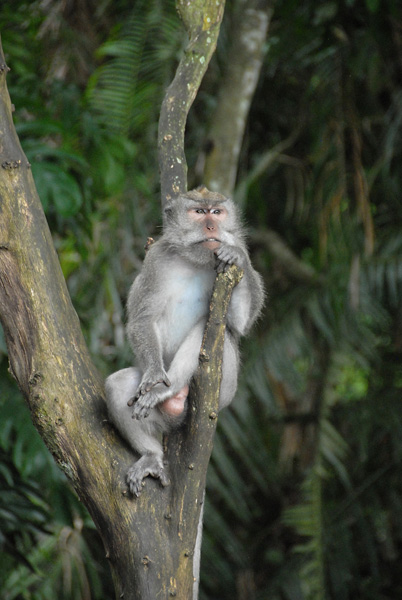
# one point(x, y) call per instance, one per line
point(229, 120)
point(202, 20)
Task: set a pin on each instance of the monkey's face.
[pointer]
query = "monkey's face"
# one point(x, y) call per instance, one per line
point(208, 221)
point(197, 224)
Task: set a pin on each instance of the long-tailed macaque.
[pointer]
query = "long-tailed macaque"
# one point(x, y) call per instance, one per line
point(167, 311)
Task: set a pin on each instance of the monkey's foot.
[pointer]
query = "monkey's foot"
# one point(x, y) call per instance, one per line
point(149, 464)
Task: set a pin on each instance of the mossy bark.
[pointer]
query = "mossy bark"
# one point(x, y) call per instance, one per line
point(202, 20)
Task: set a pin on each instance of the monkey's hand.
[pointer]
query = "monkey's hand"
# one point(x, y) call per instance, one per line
point(229, 255)
point(150, 378)
point(145, 403)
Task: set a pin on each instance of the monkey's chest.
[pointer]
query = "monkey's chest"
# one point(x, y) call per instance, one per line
point(188, 296)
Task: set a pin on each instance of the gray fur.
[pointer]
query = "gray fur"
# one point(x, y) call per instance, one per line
point(167, 310)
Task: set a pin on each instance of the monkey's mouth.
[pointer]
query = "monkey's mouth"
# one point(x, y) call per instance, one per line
point(211, 243)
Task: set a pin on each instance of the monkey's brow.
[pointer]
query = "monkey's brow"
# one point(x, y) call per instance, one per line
point(208, 201)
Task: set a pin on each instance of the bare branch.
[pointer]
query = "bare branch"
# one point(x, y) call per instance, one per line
point(189, 449)
point(237, 90)
point(202, 20)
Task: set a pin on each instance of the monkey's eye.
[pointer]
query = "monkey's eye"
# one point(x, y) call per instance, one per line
point(200, 211)
point(216, 211)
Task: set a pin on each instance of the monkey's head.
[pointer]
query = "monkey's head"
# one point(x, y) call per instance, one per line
point(198, 222)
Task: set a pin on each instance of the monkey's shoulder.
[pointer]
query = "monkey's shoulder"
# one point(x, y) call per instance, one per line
point(159, 255)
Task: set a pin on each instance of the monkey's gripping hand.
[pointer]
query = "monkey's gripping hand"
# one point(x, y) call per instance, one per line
point(229, 255)
point(146, 402)
point(150, 378)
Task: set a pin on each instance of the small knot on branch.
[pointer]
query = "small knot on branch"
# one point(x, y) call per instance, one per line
point(8, 165)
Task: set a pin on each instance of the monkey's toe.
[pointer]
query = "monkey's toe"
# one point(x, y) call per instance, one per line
point(131, 401)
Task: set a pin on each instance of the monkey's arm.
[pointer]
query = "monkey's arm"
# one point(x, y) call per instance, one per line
point(181, 369)
point(143, 310)
point(248, 295)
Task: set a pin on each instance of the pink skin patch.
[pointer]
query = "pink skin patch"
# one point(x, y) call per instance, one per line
point(175, 405)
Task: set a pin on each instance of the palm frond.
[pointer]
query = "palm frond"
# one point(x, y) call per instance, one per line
point(126, 89)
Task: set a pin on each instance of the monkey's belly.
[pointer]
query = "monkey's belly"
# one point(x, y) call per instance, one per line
point(187, 305)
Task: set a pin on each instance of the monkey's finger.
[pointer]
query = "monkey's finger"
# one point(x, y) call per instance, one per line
point(227, 256)
point(141, 414)
point(146, 387)
point(140, 410)
point(164, 479)
point(140, 391)
point(131, 401)
point(221, 267)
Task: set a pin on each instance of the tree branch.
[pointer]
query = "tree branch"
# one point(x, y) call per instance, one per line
point(202, 20)
point(264, 162)
point(237, 90)
point(189, 449)
point(292, 264)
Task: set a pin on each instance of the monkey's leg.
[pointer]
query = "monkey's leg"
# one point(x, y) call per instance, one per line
point(142, 436)
point(230, 367)
point(182, 368)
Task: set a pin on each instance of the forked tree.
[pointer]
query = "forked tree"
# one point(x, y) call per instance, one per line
point(149, 541)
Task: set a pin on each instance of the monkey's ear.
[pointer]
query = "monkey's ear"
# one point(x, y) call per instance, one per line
point(168, 210)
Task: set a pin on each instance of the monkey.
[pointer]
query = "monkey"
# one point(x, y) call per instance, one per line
point(167, 309)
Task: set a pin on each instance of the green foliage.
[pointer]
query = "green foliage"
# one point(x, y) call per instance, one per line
point(23, 511)
point(61, 565)
point(333, 198)
point(48, 546)
point(125, 92)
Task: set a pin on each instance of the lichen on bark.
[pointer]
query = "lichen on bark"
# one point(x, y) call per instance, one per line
point(202, 20)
